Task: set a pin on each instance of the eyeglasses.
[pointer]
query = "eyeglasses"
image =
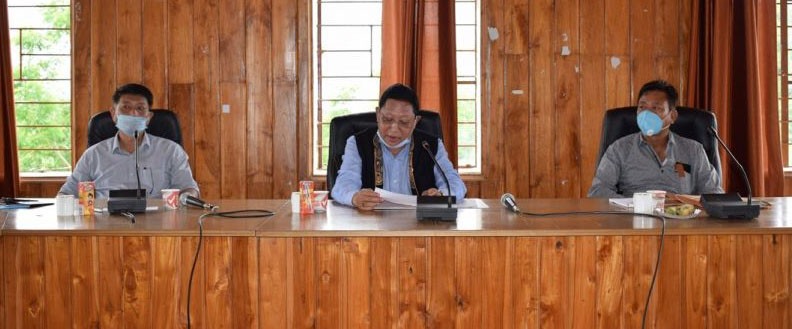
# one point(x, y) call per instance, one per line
point(402, 123)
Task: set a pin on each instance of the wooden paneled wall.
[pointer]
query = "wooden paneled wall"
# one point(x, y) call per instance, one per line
point(550, 69)
point(715, 281)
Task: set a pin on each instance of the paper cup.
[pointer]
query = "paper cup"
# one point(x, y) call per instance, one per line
point(170, 198)
point(64, 205)
point(295, 202)
point(643, 203)
point(320, 200)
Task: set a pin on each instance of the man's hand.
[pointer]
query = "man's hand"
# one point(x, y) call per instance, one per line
point(366, 199)
point(432, 192)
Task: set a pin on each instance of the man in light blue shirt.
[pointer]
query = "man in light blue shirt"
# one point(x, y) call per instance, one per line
point(110, 164)
point(392, 157)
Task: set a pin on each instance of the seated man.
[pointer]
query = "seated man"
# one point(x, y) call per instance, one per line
point(391, 157)
point(110, 164)
point(655, 158)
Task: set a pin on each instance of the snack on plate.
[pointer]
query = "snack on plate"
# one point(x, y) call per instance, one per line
point(680, 210)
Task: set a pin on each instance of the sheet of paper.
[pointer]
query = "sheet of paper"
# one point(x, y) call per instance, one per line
point(622, 202)
point(397, 198)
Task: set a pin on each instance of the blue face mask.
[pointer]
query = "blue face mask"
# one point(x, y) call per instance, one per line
point(402, 143)
point(128, 124)
point(650, 123)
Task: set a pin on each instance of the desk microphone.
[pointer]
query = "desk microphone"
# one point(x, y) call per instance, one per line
point(507, 200)
point(730, 205)
point(189, 200)
point(129, 201)
point(429, 206)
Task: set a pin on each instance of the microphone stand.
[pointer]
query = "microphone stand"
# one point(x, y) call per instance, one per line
point(128, 201)
point(730, 205)
point(441, 208)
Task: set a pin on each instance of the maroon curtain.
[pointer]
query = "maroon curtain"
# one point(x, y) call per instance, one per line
point(419, 50)
point(733, 72)
point(9, 175)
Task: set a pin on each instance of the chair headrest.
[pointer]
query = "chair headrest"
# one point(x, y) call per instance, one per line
point(164, 123)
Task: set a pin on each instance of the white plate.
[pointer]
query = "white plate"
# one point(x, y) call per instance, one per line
point(695, 214)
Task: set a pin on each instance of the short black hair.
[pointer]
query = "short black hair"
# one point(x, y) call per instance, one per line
point(400, 92)
point(133, 89)
point(664, 86)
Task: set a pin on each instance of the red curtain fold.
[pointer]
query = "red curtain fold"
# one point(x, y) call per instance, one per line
point(419, 50)
point(733, 72)
point(9, 175)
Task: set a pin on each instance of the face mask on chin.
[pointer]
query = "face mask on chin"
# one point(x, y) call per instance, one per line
point(128, 124)
point(650, 123)
point(401, 144)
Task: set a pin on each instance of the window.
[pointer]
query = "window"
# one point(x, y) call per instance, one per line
point(468, 104)
point(347, 53)
point(784, 85)
point(41, 59)
point(347, 57)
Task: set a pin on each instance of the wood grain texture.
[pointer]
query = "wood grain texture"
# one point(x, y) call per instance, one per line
point(259, 136)
point(154, 41)
point(232, 132)
point(776, 273)
point(405, 282)
point(129, 41)
point(566, 88)
point(541, 110)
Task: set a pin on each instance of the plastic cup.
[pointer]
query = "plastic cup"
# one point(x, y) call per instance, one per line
point(320, 200)
point(295, 202)
point(170, 198)
point(643, 203)
point(64, 205)
point(658, 196)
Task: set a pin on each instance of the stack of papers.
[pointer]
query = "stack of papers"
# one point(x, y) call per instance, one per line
point(404, 201)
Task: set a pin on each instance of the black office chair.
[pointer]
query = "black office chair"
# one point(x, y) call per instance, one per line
point(691, 123)
point(347, 125)
point(164, 123)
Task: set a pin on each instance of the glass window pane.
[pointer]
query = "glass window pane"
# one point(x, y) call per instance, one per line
point(346, 64)
point(46, 42)
point(467, 157)
point(466, 91)
point(376, 52)
point(466, 134)
point(38, 17)
point(42, 161)
point(465, 12)
point(44, 137)
point(466, 63)
point(346, 38)
point(15, 3)
point(42, 91)
point(350, 88)
point(46, 67)
point(351, 13)
point(325, 134)
point(332, 109)
point(43, 114)
point(466, 111)
point(466, 37)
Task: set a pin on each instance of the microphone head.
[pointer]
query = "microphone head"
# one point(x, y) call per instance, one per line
point(504, 197)
point(183, 199)
point(425, 145)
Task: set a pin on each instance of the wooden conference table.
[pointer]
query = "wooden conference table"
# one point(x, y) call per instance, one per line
point(350, 269)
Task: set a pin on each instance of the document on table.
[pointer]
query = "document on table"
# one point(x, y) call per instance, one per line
point(622, 202)
point(404, 201)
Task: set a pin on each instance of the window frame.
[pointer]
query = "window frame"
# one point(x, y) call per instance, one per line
point(20, 54)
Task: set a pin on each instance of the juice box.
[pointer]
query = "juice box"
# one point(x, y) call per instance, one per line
point(87, 195)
